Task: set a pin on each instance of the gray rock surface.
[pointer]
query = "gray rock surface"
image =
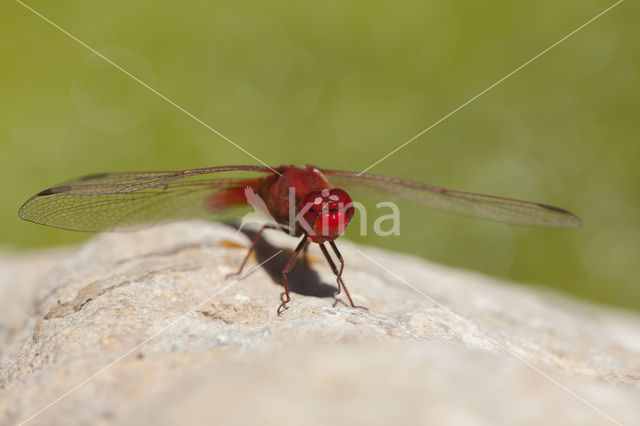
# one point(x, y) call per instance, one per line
point(144, 328)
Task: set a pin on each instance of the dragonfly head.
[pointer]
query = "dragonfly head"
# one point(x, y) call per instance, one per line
point(326, 213)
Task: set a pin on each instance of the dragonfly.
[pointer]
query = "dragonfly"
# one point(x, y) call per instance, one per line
point(308, 202)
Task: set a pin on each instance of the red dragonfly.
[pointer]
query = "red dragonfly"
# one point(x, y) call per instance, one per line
point(319, 210)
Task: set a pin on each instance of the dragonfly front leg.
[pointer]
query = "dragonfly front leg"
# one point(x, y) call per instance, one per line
point(337, 272)
point(305, 255)
point(303, 243)
point(254, 243)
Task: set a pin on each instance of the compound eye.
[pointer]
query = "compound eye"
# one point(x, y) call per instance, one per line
point(339, 199)
point(314, 200)
point(313, 204)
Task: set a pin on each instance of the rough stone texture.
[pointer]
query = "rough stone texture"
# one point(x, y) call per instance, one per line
point(140, 323)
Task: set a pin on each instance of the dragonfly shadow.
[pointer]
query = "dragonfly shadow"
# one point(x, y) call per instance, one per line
point(302, 279)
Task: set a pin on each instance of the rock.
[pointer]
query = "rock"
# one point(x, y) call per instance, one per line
point(143, 328)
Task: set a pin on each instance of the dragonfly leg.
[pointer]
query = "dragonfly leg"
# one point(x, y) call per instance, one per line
point(285, 271)
point(339, 275)
point(305, 255)
point(251, 249)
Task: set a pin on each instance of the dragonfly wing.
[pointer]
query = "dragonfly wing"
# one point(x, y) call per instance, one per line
point(128, 201)
point(491, 207)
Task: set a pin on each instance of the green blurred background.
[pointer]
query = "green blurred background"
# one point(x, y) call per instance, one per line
point(339, 84)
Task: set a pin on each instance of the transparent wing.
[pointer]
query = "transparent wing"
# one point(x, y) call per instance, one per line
point(128, 201)
point(491, 207)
